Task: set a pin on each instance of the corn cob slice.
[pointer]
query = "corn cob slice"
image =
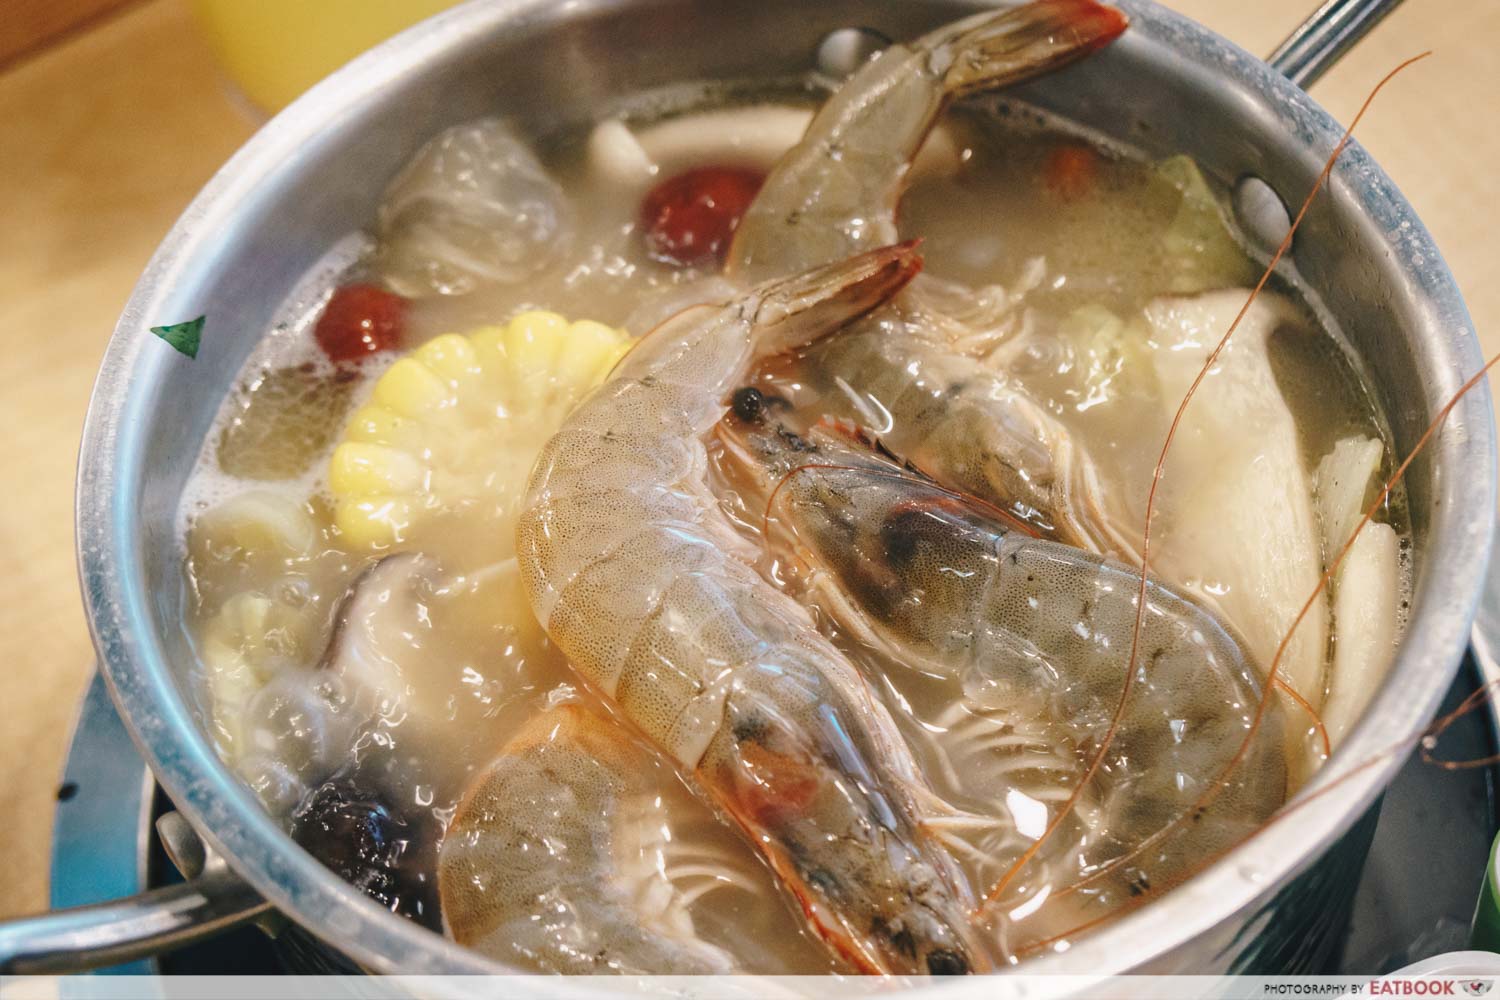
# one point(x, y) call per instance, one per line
point(459, 422)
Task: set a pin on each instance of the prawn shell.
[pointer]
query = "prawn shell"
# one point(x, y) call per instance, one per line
point(527, 872)
point(637, 574)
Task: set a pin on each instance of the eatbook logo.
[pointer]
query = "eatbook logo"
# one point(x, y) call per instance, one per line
point(1477, 987)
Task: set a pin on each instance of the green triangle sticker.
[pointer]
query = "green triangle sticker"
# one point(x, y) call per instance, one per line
point(183, 336)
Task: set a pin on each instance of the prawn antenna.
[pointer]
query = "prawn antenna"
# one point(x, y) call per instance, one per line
point(1319, 730)
point(1156, 476)
point(1483, 695)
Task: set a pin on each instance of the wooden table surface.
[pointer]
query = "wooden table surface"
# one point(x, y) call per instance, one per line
point(105, 138)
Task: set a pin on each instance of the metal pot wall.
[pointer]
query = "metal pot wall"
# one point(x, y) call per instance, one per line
point(315, 173)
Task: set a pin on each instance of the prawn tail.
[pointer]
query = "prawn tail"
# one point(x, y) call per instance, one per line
point(1027, 42)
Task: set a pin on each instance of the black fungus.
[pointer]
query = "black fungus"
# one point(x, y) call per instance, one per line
point(371, 846)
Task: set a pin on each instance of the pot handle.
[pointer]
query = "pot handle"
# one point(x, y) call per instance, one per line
point(1320, 41)
point(212, 900)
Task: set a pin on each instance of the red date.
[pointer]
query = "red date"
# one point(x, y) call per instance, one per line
point(689, 219)
point(360, 320)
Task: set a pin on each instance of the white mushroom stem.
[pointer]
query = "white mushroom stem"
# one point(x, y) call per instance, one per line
point(616, 156)
point(1364, 619)
point(751, 137)
point(1365, 585)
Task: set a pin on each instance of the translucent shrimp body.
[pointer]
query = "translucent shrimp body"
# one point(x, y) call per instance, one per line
point(639, 577)
point(836, 192)
point(1037, 628)
point(551, 860)
point(959, 420)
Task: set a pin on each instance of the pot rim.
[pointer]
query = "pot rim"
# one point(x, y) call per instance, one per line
point(140, 679)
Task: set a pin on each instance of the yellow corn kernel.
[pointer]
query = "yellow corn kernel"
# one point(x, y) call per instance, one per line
point(244, 614)
point(592, 350)
point(411, 389)
point(376, 424)
point(373, 520)
point(249, 641)
point(487, 341)
point(359, 469)
point(533, 342)
point(450, 357)
point(538, 323)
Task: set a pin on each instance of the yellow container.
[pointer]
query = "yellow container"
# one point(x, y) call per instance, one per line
point(275, 49)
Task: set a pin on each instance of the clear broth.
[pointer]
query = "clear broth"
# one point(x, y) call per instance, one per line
point(472, 664)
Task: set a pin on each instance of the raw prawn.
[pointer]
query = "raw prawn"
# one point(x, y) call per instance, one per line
point(557, 858)
point(640, 579)
point(960, 421)
point(836, 192)
point(949, 588)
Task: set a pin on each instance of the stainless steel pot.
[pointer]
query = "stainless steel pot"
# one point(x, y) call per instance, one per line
point(315, 174)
